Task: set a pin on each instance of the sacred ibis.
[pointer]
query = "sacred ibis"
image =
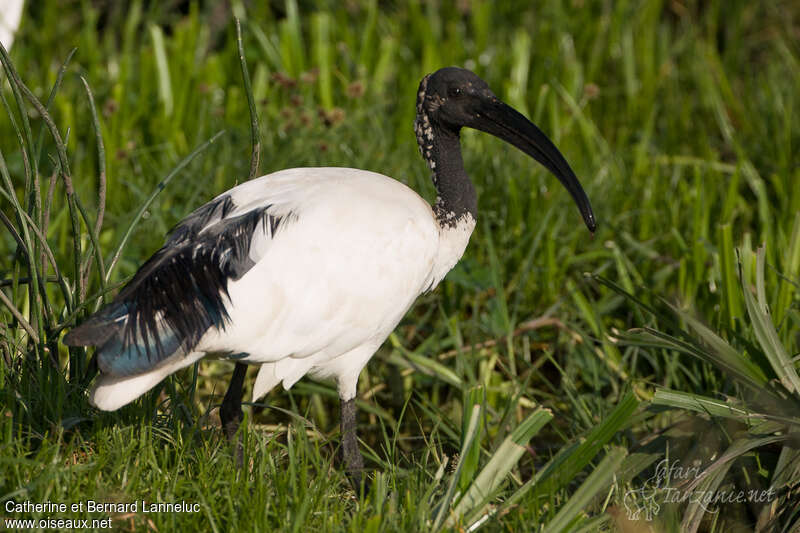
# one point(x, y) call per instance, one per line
point(307, 270)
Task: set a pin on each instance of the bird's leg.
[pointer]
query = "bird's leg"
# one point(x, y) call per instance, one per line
point(230, 412)
point(354, 463)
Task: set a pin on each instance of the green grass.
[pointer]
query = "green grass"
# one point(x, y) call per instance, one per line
point(549, 373)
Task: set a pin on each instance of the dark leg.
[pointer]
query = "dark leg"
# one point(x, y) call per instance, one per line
point(353, 462)
point(230, 412)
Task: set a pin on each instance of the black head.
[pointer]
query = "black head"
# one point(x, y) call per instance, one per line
point(452, 98)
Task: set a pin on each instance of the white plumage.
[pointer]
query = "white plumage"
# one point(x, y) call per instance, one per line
point(327, 289)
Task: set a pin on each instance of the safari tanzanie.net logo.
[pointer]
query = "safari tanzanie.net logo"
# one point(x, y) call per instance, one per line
point(674, 483)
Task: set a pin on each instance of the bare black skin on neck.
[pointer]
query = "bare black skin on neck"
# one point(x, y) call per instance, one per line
point(440, 146)
point(452, 98)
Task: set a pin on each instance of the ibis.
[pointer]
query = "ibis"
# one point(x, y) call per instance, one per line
point(307, 270)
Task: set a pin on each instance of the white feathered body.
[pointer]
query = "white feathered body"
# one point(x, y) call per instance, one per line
point(327, 288)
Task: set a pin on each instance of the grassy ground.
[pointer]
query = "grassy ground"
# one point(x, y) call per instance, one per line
point(552, 377)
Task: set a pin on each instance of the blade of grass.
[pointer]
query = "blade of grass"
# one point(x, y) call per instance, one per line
point(790, 270)
point(473, 396)
point(468, 439)
point(50, 99)
point(162, 68)
point(701, 404)
point(94, 231)
point(765, 332)
point(730, 357)
point(738, 368)
point(727, 259)
point(503, 460)
point(255, 136)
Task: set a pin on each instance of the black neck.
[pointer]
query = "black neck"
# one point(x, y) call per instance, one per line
point(441, 149)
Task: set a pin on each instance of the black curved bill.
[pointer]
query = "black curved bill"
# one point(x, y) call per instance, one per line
point(505, 122)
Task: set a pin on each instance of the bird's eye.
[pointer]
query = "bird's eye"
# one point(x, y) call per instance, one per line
point(454, 92)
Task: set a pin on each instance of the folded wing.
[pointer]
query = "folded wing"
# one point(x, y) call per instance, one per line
point(181, 291)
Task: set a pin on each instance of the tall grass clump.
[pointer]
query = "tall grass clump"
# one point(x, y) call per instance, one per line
point(44, 296)
point(742, 435)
